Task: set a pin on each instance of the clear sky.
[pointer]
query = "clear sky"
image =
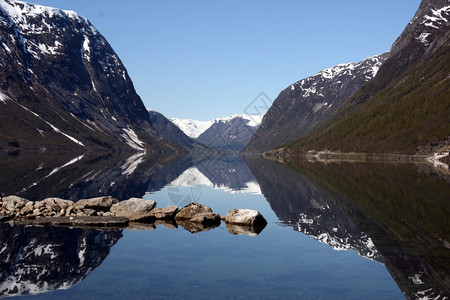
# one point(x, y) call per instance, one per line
point(204, 59)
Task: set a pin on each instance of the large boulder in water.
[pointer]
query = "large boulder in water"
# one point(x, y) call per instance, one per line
point(190, 210)
point(132, 206)
point(98, 203)
point(245, 217)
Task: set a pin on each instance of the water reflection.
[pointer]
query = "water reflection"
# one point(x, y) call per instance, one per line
point(404, 209)
point(36, 260)
point(309, 209)
point(76, 176)
point(394, 214)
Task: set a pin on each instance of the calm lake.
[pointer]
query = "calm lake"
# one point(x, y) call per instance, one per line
point(335, 230)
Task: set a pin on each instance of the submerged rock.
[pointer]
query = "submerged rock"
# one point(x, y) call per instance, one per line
point(190, 210)
point(193, 227)
point(207, 219)
point(235, 229)
point(246, 217)
point(167, 212)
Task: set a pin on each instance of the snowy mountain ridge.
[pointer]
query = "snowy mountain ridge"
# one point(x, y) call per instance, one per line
point(194, 128)
point(64, 81)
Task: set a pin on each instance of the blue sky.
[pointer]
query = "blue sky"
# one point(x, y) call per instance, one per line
point(204, 59)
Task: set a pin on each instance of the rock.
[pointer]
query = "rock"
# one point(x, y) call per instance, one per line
point(13, 203)
point(27, 209)
point(132, 206)
point(167, 212)
point(68, 211)
point(99, 203)
point(207, 219)
point(187, 212)
point(90, 212)
point(54, 204)
point(247, 217)
point(142, 217)
point(244, 229)
point(194, 227)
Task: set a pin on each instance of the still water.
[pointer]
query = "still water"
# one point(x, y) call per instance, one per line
point(335, 231)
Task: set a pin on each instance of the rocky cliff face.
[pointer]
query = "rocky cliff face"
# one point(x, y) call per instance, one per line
point(310, 101)
point(62, 85)
point(405, 108)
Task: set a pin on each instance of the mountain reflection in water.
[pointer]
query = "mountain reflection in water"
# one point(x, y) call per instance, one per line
point(36, 260)
point(395, 214)
point(403, 210)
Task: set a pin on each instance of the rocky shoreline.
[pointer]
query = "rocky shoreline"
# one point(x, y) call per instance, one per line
point(133, 214)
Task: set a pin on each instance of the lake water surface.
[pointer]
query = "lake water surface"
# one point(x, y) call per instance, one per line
point(335, 231)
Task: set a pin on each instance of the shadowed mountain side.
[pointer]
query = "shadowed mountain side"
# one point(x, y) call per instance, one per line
point(405, 213)
point(309, 209)
point(36, 260)
point(79, 176)
point(63, 86)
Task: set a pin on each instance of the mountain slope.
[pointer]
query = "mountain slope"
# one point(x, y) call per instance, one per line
point(170, 131)
point(310, 101)
point(192, 128)
point(62, 85)
point(405, 108)
point(230, 133)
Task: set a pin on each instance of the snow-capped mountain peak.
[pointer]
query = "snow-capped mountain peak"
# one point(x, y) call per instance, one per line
point(194, 128)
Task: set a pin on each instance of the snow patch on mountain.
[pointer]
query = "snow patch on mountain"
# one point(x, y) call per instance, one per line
point(194, 128)
point(313, 85)
point(437, 19)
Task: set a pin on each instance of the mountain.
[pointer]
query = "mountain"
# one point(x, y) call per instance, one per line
point(405, 108)
point(170, 131)
point(63, 86)
point(230, 133)
point(192, 128)
point(310, 101)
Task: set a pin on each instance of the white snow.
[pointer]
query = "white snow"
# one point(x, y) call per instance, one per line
point(436, 20)
point(23, 15)
point(132, 163)
point(54, 127)
point(194, 128)
point(132, 139)
point(3, 97)
point(423, 38)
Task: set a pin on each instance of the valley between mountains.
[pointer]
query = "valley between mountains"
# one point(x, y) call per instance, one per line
point(64, 87)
